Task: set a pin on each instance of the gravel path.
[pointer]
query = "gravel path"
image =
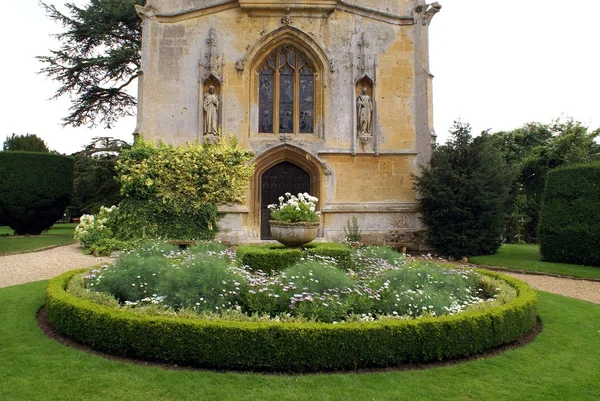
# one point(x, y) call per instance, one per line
point(33, 266)
point(580, 289)
point(43, 265)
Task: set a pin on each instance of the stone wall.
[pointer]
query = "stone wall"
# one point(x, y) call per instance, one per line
point(188, 43)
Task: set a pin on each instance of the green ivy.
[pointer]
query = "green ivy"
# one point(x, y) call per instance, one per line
point(172, 192)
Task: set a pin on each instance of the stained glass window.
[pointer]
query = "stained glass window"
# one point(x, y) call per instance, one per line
point(266, 86)
point(286, 92)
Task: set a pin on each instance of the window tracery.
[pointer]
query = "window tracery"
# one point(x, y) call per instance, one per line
point(286, 92)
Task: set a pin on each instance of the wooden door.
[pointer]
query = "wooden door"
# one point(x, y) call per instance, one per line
point(275, 182)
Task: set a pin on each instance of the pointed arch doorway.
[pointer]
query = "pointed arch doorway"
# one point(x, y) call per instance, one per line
point(275, 182)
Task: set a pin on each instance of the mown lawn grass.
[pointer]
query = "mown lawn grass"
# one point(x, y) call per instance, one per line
point(560, 364)
point(59, 234)
point(527, 257)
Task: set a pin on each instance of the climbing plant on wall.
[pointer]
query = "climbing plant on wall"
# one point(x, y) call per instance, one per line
point(165, 187)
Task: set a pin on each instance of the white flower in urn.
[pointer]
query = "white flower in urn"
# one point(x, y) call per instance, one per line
point(295, 209)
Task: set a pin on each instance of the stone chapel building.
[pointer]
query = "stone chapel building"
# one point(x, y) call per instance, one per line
point(333, 96)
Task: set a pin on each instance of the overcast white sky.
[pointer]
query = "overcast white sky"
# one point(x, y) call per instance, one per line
point(497, 64)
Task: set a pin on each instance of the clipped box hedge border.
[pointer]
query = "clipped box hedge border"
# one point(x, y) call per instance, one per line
point(277, 257)
point(293, 347)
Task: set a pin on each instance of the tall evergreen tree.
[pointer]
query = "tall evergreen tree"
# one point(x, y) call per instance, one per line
point(462, 195)
point(530, 153)
point(25, 143)
point(98, 59)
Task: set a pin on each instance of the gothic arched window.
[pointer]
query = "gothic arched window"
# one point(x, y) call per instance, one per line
point(286, 92)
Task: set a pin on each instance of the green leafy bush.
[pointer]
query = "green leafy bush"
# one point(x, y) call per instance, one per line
point(462, 195)
point(25, 143)
point(204, 283)
point(95, 232)
point(209, 247)
point(151, 248)
point(94, 184)
point(339, 252)
point(424, 290)
point(268, 258)
point(173, 192)
point(317, 277)
point(185, 177)
point(570, 218)
point(277, 346)
point(150, 219)
point(378, 252)
point(132, 278)
point(35, 189)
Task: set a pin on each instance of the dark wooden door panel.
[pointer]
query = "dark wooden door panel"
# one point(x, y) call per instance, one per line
point(275, 182)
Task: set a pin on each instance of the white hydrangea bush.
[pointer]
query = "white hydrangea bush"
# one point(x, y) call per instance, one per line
point(92, 228)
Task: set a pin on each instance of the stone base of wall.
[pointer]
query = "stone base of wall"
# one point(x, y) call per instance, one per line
point(392, 224)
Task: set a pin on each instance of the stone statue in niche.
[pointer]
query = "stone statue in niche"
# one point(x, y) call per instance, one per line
point(211, 113)
point(364, 112)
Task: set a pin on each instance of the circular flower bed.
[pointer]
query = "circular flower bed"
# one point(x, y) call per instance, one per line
point(196, 308)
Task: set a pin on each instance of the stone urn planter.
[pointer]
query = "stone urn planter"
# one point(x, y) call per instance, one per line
point(294, 234)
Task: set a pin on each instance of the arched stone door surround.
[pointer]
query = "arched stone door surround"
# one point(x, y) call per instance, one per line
point(271, 158)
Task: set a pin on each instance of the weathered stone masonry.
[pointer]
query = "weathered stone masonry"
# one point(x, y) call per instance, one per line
point(287, 79)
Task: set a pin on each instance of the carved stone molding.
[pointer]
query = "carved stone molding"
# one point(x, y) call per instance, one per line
point(288, 32)
point(374, 14)
point(214, 61)
point(287, 20)
point(319, 7)
point(371, 207)
point(146, 11)
point(428, 12)
point(363, 57)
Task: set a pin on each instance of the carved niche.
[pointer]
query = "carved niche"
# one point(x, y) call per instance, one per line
point(364, 92)
point(211, 101)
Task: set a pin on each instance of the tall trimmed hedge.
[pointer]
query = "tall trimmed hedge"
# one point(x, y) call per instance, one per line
point(569, 228)
point(35, 189)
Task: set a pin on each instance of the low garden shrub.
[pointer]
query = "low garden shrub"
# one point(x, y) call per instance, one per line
point(313, 289)
point(268, 258)
point(95, 233)
point(569, 230)
point(340, 252)
point(276, 257)
point(35, 189)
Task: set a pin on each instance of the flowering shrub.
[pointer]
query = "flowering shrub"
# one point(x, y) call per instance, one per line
point(96, 231)
point(296, 208)
point(173, 192)
point(185, 177)
point(208, 280)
